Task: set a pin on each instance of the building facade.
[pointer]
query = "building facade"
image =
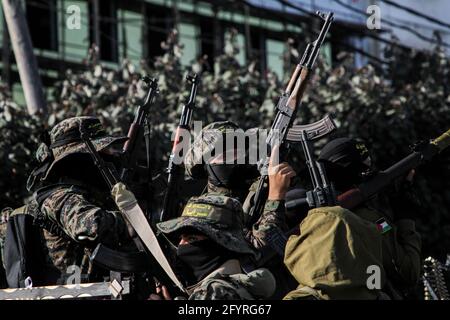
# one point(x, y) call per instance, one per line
point(63, 30)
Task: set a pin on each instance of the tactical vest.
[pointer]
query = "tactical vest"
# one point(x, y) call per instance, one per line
point(25, 251)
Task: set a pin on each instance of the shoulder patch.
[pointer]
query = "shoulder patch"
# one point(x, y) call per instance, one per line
point(382, 225)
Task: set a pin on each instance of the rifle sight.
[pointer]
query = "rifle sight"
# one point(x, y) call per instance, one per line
point(193, 78)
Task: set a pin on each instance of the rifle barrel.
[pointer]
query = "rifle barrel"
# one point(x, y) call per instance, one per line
point(365, 191)
point(443, 141)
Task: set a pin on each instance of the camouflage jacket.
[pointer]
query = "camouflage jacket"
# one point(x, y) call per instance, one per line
point(3, 221)
point(273, 216)
point(229, 283)
point(85, 223)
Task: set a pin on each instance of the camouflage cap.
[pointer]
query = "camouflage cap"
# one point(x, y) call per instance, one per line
point(203, 145)
point(65, 138)
point(217, 216)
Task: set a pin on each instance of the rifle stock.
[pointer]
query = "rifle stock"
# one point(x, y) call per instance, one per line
point(299, 89)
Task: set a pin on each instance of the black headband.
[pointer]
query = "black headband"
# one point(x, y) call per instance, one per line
point(74, 136)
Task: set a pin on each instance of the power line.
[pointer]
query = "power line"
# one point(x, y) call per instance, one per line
point(150, 27)
point(367, 34)
point(346, 45)
point(395, 25)
point(417, 13)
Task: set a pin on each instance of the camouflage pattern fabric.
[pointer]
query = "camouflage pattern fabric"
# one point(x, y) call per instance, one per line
point(217, 216)
point(242, 94)
point(78, 210)
point(203, 144)
point(84, 223)
point(65, 139)
point(215, 189)
point(229, 283)
point(4, 214)
point(273, 216)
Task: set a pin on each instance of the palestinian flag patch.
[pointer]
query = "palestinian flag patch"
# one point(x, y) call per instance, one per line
point(383, 226)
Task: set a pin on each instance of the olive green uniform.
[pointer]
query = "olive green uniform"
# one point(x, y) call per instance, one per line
point(332, 257)
point(401, 248)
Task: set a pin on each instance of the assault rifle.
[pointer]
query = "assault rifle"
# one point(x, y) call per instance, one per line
point(140, 127)
point(170, 207)
point(422, 153)
point(350, 199)
point(135, 217)
point(287, 106)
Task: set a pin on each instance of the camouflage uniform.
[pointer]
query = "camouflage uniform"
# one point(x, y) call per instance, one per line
point(84, 222)
point(229, 283)
point(78, 213)
point(3, 220)
point(220, 219)
point(273, 215)
point(4, 214)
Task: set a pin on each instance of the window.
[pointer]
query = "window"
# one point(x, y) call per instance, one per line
point(41, 16)
point(258, 48)
point(208, 40)
point(158, 24)
point(275, 49)
point(107, 28)
point(189, 38)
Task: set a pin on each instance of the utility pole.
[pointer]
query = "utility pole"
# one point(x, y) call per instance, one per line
point(25, 59)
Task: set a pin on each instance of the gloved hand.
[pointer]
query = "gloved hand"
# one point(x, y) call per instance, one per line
point(123, 197)
point(124, 200)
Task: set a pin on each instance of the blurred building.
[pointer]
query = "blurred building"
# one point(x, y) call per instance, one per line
point(134, 29)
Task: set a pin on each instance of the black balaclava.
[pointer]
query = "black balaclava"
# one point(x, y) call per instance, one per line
point(237, 178)
point(200, 258)
point(346, 162)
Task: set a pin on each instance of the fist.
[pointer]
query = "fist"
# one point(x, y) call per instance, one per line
point(280, 175)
